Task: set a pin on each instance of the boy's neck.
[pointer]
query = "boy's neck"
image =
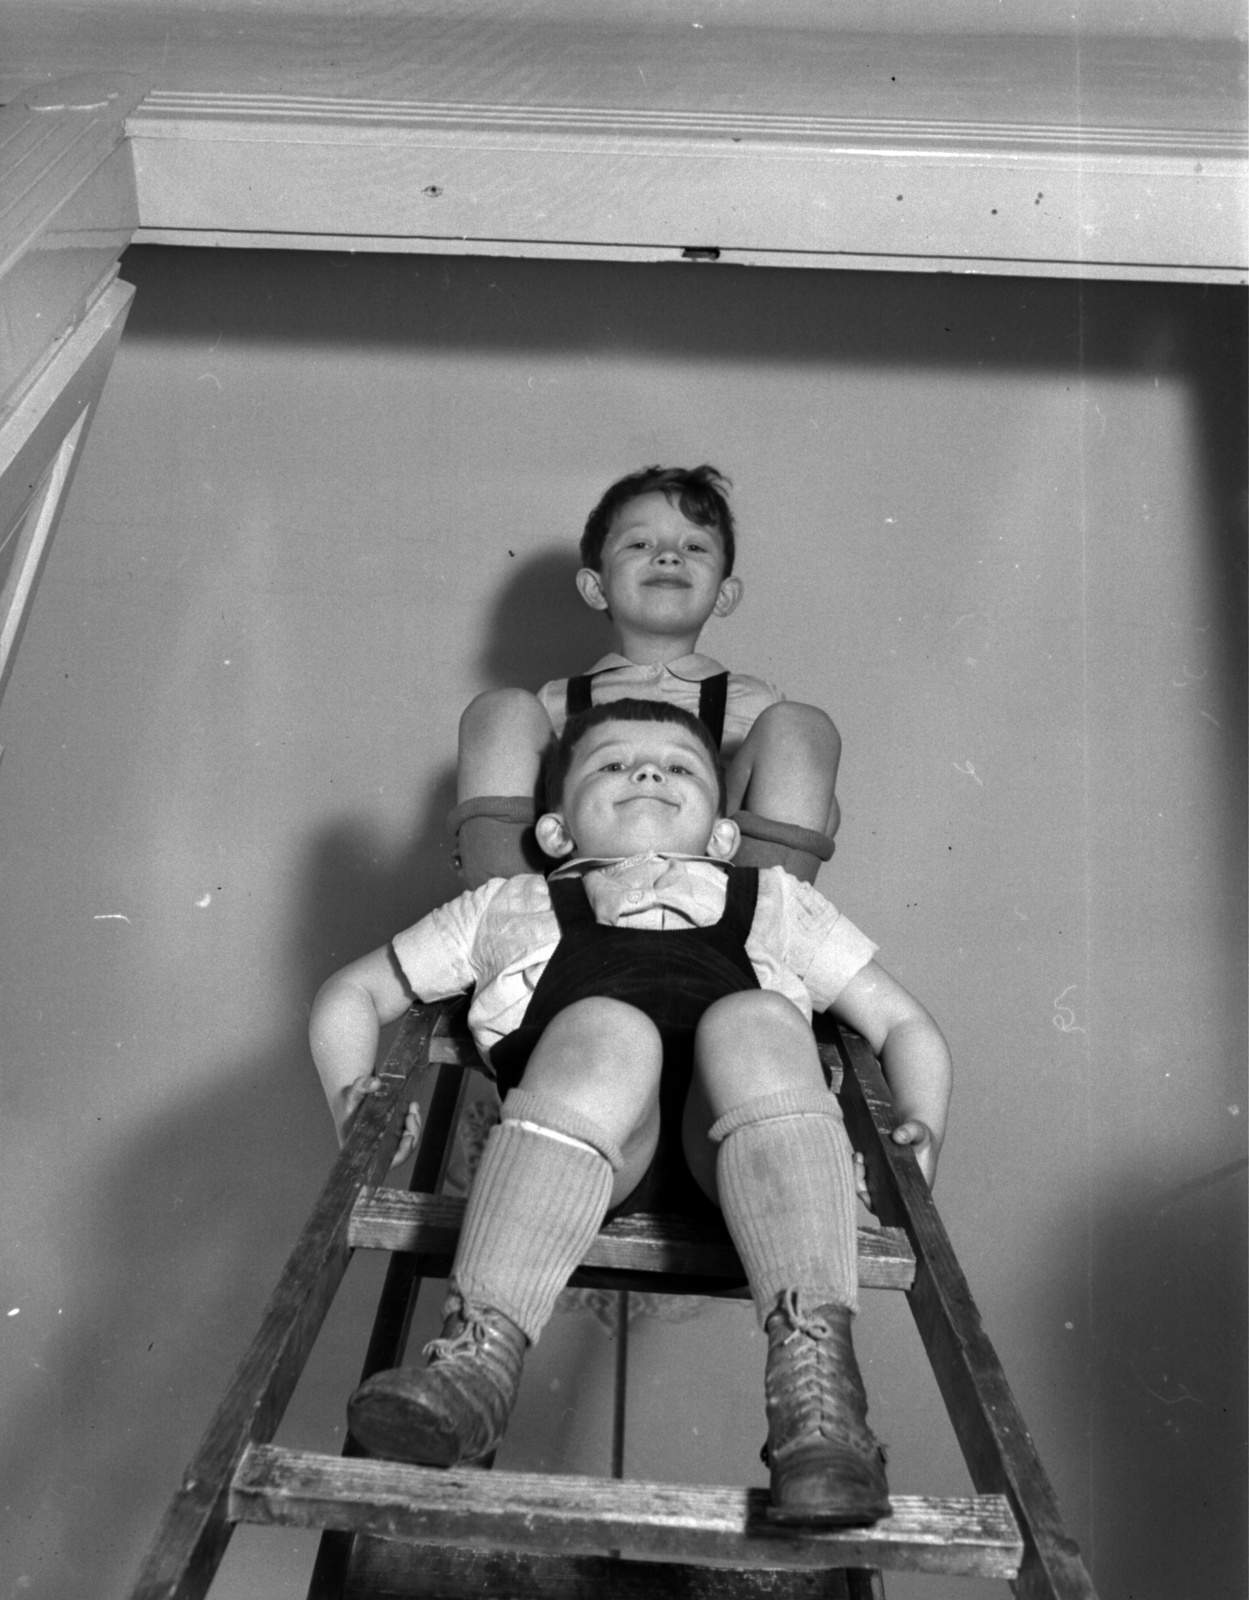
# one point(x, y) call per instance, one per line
point(655, 649)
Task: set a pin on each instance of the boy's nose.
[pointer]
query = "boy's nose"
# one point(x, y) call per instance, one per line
point(647, 772)
point(670, 558)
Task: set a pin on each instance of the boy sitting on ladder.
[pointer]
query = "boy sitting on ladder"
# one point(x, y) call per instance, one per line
point(646, 1012)
point(657, 556)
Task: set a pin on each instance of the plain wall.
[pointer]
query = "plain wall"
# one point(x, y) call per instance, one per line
point(994, 526)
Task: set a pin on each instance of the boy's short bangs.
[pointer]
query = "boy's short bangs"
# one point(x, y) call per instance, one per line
point(699, 493)
point(559, 753)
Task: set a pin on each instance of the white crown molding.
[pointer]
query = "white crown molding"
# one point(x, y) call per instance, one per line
point(909, 193)
point(318, 118)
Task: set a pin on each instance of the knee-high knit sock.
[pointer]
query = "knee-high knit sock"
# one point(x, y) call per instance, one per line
point(538, 1199)
point(785, 1176)
point(494, 836)
point(781, 844)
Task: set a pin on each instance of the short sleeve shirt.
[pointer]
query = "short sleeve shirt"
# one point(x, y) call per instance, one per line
point(679, 682)
point(498, 939)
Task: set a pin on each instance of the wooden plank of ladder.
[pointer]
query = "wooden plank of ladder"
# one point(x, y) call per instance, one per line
point(972, 1536)
point(990, 1428)
point(658, 1251)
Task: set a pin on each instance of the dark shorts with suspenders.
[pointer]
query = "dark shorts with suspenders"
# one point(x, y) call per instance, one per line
point(713, 695)
point(671, 976)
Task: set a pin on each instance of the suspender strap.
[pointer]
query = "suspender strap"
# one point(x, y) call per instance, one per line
point(571, 905)
point(577, 696)
point(713, 696)
point(739, 903)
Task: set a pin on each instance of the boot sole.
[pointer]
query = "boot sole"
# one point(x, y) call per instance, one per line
point(396, 1429)
point(865, 1517)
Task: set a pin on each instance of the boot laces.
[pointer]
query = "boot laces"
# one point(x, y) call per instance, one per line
point(800, 1323)
point(466, 1342)
point(820, 1390)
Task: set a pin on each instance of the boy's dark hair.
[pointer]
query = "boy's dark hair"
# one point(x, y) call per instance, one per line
point(559, 753)
point(699, 493)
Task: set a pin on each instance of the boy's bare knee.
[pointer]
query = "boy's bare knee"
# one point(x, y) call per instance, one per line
point(753, 1043)
point(600, 1052)
point(754, 1011)
point(798, 730)
point(497, 712)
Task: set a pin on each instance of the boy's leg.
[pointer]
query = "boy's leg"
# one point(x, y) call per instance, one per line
point(502, 736)
point(578, 1133)
point(782, 790)
point(784, 1178)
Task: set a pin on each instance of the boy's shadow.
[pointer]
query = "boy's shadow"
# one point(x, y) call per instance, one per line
point(357, 890)
point(540, 628)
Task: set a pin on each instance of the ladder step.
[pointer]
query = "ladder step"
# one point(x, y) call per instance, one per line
point(400, 1569)
point(973, 1536)
point(701, 1255)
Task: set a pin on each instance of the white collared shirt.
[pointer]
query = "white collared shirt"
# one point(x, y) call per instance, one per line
point(680, 682)
point(498, 939)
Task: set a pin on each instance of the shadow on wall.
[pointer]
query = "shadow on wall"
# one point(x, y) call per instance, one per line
point(215, 1191)
point(570, 638)
point(722, 314)
point(1171, 1386)
point(148, 1353)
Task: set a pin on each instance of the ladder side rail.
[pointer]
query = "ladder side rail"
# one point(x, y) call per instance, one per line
point(389, 1337)
point(990, 1429)
point(196, 1528)
point(404, 1275)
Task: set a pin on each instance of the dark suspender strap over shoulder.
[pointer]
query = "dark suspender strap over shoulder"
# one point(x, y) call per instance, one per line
point(577, 696)
point(571, 905)
point(713, 695)
point(741, 898)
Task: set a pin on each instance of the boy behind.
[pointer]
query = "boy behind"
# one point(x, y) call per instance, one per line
point(657, 556)
point(647, 1014)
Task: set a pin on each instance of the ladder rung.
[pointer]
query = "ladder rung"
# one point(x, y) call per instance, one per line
point(395, 1219)
point(974, 1536)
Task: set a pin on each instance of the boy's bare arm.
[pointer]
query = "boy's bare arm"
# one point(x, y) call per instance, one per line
point(347, 1017)
point(913, 1054)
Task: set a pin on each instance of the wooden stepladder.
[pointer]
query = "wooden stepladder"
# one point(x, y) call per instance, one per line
point(394, 1530)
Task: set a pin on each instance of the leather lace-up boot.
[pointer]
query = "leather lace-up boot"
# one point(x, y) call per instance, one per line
point(455, 1410)
point(827, 1466)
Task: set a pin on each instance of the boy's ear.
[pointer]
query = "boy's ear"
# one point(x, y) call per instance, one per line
point(731, 591)
point(590, 587)
point(553, 836)
point(725, 838)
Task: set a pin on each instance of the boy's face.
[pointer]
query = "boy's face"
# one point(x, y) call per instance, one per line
point(639, 786)
point(661, 574)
